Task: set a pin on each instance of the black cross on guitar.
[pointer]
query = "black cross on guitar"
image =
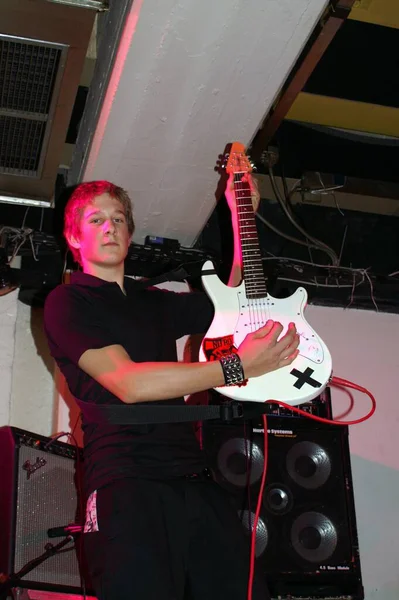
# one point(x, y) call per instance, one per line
point(304, 377)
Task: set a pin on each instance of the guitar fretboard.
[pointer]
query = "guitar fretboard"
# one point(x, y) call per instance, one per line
point(255, 284)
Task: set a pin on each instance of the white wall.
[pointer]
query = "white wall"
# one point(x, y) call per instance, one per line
point(32, 392)
point(8, 318)
point(26, 368)
point(364, 349)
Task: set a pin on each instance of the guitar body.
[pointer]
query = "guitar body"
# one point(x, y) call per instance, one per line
point(236, 315)
point(244, 309)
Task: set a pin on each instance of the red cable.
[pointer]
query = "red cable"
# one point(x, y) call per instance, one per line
point(335, 381)
point(257, 512)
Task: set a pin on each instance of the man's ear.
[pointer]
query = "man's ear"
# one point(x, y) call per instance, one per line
point(73, 241)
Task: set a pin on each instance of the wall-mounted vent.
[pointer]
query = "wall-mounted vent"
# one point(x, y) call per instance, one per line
point(30, 72)
point(43, 46)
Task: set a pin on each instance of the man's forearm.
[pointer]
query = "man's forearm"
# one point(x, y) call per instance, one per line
point(236, 269)
point(146, 382)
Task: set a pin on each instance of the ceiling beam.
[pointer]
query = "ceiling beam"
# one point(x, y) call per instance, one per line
point(345, 114)
point(380, 12)
point(336, 14)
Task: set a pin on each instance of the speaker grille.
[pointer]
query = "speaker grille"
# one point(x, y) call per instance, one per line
point(308, 464)
point(46, 498)
point(306, 538)
point(314, 536)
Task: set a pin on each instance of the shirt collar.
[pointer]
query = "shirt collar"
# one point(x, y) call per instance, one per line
point(89, 280)
point(80, 278)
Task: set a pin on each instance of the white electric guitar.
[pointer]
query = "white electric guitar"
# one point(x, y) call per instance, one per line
point(243, 309)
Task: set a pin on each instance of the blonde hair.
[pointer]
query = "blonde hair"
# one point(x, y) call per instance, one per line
point(84, 195)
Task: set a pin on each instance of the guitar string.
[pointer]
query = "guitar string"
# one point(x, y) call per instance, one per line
point(259, 312)
point(255, 312)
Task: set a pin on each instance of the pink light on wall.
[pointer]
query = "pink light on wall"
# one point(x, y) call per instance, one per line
point(123, 49)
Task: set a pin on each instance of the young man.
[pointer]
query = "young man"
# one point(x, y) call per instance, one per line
point(157, 526)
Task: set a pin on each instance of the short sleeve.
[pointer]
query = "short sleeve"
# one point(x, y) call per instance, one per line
point(71, 324)
point(190, 312)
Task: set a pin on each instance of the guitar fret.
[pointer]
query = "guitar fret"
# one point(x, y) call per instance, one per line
point(254, 277)
point(254, 285)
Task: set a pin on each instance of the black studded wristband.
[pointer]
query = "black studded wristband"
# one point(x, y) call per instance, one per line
point(232, 369)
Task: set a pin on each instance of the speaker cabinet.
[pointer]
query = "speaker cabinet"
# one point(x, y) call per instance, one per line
point(306, 537)
point(38, 491)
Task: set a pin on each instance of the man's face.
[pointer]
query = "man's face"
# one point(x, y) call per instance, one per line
point(104, 238)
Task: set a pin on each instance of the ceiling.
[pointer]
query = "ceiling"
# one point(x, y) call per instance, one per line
point(167, 84)
point(188, 78)
point(354, 85)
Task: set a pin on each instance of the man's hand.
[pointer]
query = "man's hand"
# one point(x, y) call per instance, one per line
point(230, 196)
point(262, 352)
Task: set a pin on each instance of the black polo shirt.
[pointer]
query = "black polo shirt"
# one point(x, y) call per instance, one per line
point(91, 313)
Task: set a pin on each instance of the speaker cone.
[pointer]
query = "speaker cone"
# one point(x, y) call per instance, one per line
point(314, 537)
point(240, 462)
point(262, 537)
point(278, 499)
point(308, 464)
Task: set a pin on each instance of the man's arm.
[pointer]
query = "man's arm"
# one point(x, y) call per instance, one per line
point(148, 381)
point(236, 268)
point(235, 277)
point(132, 382)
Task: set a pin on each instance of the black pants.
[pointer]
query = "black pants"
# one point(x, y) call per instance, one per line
point(169, 540)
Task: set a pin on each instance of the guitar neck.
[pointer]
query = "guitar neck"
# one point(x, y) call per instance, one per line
point(254, 279)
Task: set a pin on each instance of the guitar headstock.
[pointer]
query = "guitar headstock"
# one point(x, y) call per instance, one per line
point(236, 159)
